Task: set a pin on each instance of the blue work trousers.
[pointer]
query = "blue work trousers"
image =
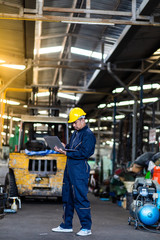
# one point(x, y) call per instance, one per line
point(74, 196)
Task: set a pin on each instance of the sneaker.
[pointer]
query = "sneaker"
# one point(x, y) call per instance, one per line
point(84, 232)
point(60, 229)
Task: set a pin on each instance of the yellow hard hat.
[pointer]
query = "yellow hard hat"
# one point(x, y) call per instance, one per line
point(75, 113)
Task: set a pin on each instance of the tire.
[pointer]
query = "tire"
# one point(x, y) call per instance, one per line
point(10, 185)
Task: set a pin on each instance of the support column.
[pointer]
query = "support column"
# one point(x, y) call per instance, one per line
point(114, 136)
point(140, 122)
point(2, 104)
point(98, 141)
point(134, 9)
point(37, 43)
point(88, 6)
point(134, 128)
point(11, 125)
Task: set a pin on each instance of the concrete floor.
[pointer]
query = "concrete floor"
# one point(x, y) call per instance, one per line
point(36, 219)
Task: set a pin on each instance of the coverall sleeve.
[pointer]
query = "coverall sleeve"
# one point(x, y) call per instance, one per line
point(85, 148)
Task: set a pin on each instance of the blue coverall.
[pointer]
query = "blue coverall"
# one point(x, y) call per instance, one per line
point(75, 181)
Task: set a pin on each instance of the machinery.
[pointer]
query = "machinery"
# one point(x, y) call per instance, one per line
point(33, 169)
point(145, 206)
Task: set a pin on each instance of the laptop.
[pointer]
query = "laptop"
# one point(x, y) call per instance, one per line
point(53, 141)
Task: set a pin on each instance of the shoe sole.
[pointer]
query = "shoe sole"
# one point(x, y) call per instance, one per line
point(69, 231)
point(84, 235)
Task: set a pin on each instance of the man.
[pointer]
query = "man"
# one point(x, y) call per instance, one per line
point(76, 175)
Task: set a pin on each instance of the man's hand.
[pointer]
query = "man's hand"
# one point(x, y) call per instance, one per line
point(59, 150)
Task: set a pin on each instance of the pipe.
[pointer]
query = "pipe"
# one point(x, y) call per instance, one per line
point(15, 77)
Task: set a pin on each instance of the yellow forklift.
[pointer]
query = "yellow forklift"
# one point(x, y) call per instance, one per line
point(34, 170)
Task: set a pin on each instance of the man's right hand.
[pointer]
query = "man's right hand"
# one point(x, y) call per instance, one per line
point(59, 150)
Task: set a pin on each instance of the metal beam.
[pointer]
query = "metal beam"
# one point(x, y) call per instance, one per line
point(46, 89)
point(81, 20)
point(91, 61)
point(135, 70)
point(51, 66)
point(87, 11)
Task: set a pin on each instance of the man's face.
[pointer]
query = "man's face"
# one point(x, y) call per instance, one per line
point(79, 124)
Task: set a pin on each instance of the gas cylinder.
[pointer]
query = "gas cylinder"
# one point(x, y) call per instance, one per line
point(148, 214)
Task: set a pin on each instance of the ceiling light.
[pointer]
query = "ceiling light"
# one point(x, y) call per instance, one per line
point(43, 112)
point(103, 105)
point(14, 66)
point(157, 52)
point(137, 88)
point(2, 61)
point(148, 100)
point(109, 118)
point(60, 83)
point(10, 102)
point(123, 103)
point(120, 116)
point(5, 117)
point(67, 96)
point(92, 120)
point(48, 50)
point(42, 94)
point(16, 119)
point(110, 143)
point(85, 22)
point(60, 94)
point(151, 86)
point(37, 124)
point(131, 102)
point(63, 115)
point(103, 119)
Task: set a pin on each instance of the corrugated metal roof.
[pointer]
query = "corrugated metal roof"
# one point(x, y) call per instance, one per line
point(17, 43)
